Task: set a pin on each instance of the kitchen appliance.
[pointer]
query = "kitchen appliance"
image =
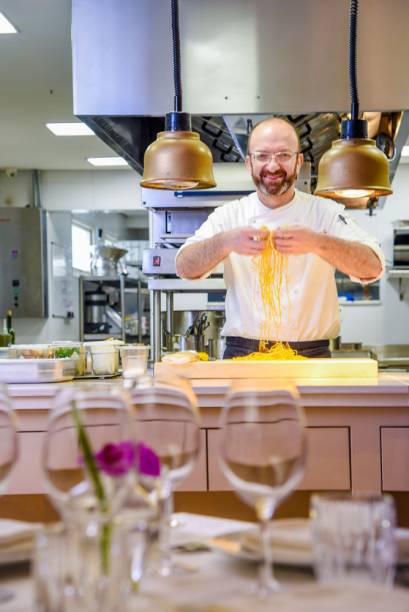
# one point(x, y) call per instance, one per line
point(23, 261)
point(96, 303)
point(175, 215)
point(106, 260)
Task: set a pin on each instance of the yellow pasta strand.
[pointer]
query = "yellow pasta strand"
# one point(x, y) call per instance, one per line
point(272, 270)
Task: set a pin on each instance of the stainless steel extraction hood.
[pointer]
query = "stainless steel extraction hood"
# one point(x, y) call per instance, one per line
point(241, 61)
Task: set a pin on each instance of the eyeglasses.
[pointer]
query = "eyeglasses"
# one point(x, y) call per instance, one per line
point(281, 157)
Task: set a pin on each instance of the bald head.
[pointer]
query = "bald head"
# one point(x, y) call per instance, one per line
point(274, 160)
point(272, 130)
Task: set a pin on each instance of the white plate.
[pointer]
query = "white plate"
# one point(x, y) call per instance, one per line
point(298, 554)
point(233, 544)
point(17, 555)
point(291, 543)
point(16, 541)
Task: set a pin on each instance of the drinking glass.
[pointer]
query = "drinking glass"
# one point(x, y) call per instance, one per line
point(134, 359)
point(104, 412)
point(67, 573)
point(8, 454)
point(168, 422)
point(353, 538)
point(262, 454)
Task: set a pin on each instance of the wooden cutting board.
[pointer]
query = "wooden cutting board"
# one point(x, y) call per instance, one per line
point(280, 368)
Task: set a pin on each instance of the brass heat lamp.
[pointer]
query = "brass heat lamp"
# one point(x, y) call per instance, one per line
point(177, 159)
point(353, 167)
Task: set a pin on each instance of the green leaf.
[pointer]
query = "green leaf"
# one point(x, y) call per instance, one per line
point(89, 460)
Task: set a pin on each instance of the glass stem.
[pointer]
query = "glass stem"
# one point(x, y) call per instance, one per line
point(266, 580)
point(166, 510)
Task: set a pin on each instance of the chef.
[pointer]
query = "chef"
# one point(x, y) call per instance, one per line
point(315, 233)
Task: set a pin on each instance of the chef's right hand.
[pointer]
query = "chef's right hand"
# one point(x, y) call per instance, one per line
point(246, 240)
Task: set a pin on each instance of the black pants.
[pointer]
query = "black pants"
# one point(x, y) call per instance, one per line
point(240, 347)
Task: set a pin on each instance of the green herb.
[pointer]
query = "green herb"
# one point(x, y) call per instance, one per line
point(65, 352)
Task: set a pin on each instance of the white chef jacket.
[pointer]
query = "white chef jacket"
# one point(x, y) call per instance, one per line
point(310, 309)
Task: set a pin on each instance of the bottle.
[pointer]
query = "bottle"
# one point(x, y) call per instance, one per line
point(100, 236)
point(9, 323)
point(5, 338)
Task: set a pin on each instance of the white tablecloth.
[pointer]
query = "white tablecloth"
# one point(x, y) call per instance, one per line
point(219, 582)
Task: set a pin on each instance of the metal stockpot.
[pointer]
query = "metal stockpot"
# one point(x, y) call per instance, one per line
point(184, 320)
point(95, 306)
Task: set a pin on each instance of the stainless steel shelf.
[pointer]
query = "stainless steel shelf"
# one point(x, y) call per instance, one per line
point(89, 337)
point(109, 279)
point(136, 290)
point(189, 286)
point(359, 302)
point(397, 272)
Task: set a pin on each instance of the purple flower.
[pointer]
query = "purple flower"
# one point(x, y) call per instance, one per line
point(146, 460)
point(116, 459)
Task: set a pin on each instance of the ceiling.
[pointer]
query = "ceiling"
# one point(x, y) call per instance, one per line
point(36, 88)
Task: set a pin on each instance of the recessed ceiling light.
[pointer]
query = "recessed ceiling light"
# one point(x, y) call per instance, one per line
point(405, 151)
point(6, 27)
point(107, 161)
point(70, 129)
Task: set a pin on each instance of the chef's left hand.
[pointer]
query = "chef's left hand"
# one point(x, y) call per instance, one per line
point(295, 240)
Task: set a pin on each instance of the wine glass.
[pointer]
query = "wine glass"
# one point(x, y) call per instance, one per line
point(168, 420)
point(8, 454)
point(263, 450)
point(74, 488)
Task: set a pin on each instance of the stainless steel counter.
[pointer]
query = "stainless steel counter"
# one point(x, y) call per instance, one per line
point(389, 356)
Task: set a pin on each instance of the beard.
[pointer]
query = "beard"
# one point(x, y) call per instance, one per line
point(274, 183)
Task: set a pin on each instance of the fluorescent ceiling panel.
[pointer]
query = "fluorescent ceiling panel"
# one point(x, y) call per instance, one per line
point(6, 27)
point(70, 129)
point(107, 161)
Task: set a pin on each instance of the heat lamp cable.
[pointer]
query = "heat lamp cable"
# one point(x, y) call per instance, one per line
point(177, 100)
point(353, 21)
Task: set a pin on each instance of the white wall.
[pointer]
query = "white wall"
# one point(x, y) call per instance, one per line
point(90, 190)
point(17, 191)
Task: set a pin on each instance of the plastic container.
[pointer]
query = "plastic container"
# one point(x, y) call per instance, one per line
point(101, 345)
point(36, 370)
point(105, 360)
point(134, 359)
point(31, 351)
point(72, 350)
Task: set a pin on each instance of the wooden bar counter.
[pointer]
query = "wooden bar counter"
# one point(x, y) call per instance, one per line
point(358, 437)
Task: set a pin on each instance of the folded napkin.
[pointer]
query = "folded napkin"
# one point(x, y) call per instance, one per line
point(294, 534)
point(195, 528)
point(14, 532)
point(16, 540)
